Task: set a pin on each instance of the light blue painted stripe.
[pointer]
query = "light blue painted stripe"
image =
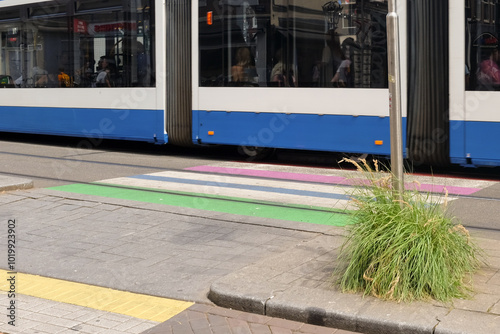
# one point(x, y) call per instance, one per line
point(243, 186)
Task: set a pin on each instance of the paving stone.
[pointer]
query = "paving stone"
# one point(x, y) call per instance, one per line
point(77, 312)
point(495, 309)
point(86, 328)
point(141, 327)
point(87, 317)
point(221, 330)
point(199, 323)
point(21, 324)
point(66, 323)
point(119, 318)
point(479, 302)
point(216, 320)
point(257, 328)
point(57, 313)
point(253, 318)
point(280, 330)
point(129, 324)
point(238, 326)
point(202, 331)
point(43, 318)
point(105, 323)
point(292, 325)
point(308, 328)
point(49, 328)
point(111, 331)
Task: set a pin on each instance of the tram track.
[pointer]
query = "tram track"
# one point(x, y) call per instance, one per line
point(123, 160)
point(153, 168)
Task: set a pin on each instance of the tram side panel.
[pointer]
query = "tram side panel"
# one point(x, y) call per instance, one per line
point(297, 122)
point(98, 123)
point(309, 76)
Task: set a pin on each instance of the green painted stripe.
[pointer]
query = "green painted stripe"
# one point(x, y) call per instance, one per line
point(239, 206)
point(227, 198)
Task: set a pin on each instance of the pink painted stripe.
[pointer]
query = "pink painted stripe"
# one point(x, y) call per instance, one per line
point(271, 174)
point(328, 179)
point(436, 188)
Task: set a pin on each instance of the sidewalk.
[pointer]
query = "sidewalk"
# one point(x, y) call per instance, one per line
point(208, 319)
point(294, 282)
point(296, 285)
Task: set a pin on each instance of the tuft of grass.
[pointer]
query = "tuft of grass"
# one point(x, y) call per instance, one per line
point(404, 248)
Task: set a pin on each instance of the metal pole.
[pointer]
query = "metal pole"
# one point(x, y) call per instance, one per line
point(395, 99)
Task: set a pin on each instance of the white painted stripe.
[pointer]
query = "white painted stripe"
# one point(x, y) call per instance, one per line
point(286, 184)
point(231, 192)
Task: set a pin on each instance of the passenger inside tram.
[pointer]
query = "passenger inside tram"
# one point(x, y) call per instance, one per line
point(489, 71)
point(243, 72)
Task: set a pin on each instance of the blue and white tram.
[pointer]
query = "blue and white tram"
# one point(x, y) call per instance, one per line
point(298, 74)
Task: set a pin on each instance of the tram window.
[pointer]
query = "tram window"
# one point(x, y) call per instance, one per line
point(293, 43)
point(482, 58)
point(56, 48)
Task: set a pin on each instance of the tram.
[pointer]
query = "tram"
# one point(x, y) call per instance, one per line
point(295, 74)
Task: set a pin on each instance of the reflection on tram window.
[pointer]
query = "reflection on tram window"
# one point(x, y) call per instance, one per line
point(294, 43)
point(53, 48)
point(482, 68)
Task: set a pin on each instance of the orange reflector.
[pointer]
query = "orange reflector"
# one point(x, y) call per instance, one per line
point(209, 18)
point(379, 142)
point(210, 133)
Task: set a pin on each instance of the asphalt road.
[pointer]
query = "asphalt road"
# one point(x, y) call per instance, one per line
point(52, 161)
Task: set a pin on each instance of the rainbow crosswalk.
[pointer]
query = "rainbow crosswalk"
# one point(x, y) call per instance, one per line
point(312, 195)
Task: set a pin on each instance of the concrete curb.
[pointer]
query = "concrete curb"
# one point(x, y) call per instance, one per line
point(330, 309)
point(265, 288)
point(8, 183)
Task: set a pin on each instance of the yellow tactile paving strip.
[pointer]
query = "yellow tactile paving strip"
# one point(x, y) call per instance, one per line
point(98, 298)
